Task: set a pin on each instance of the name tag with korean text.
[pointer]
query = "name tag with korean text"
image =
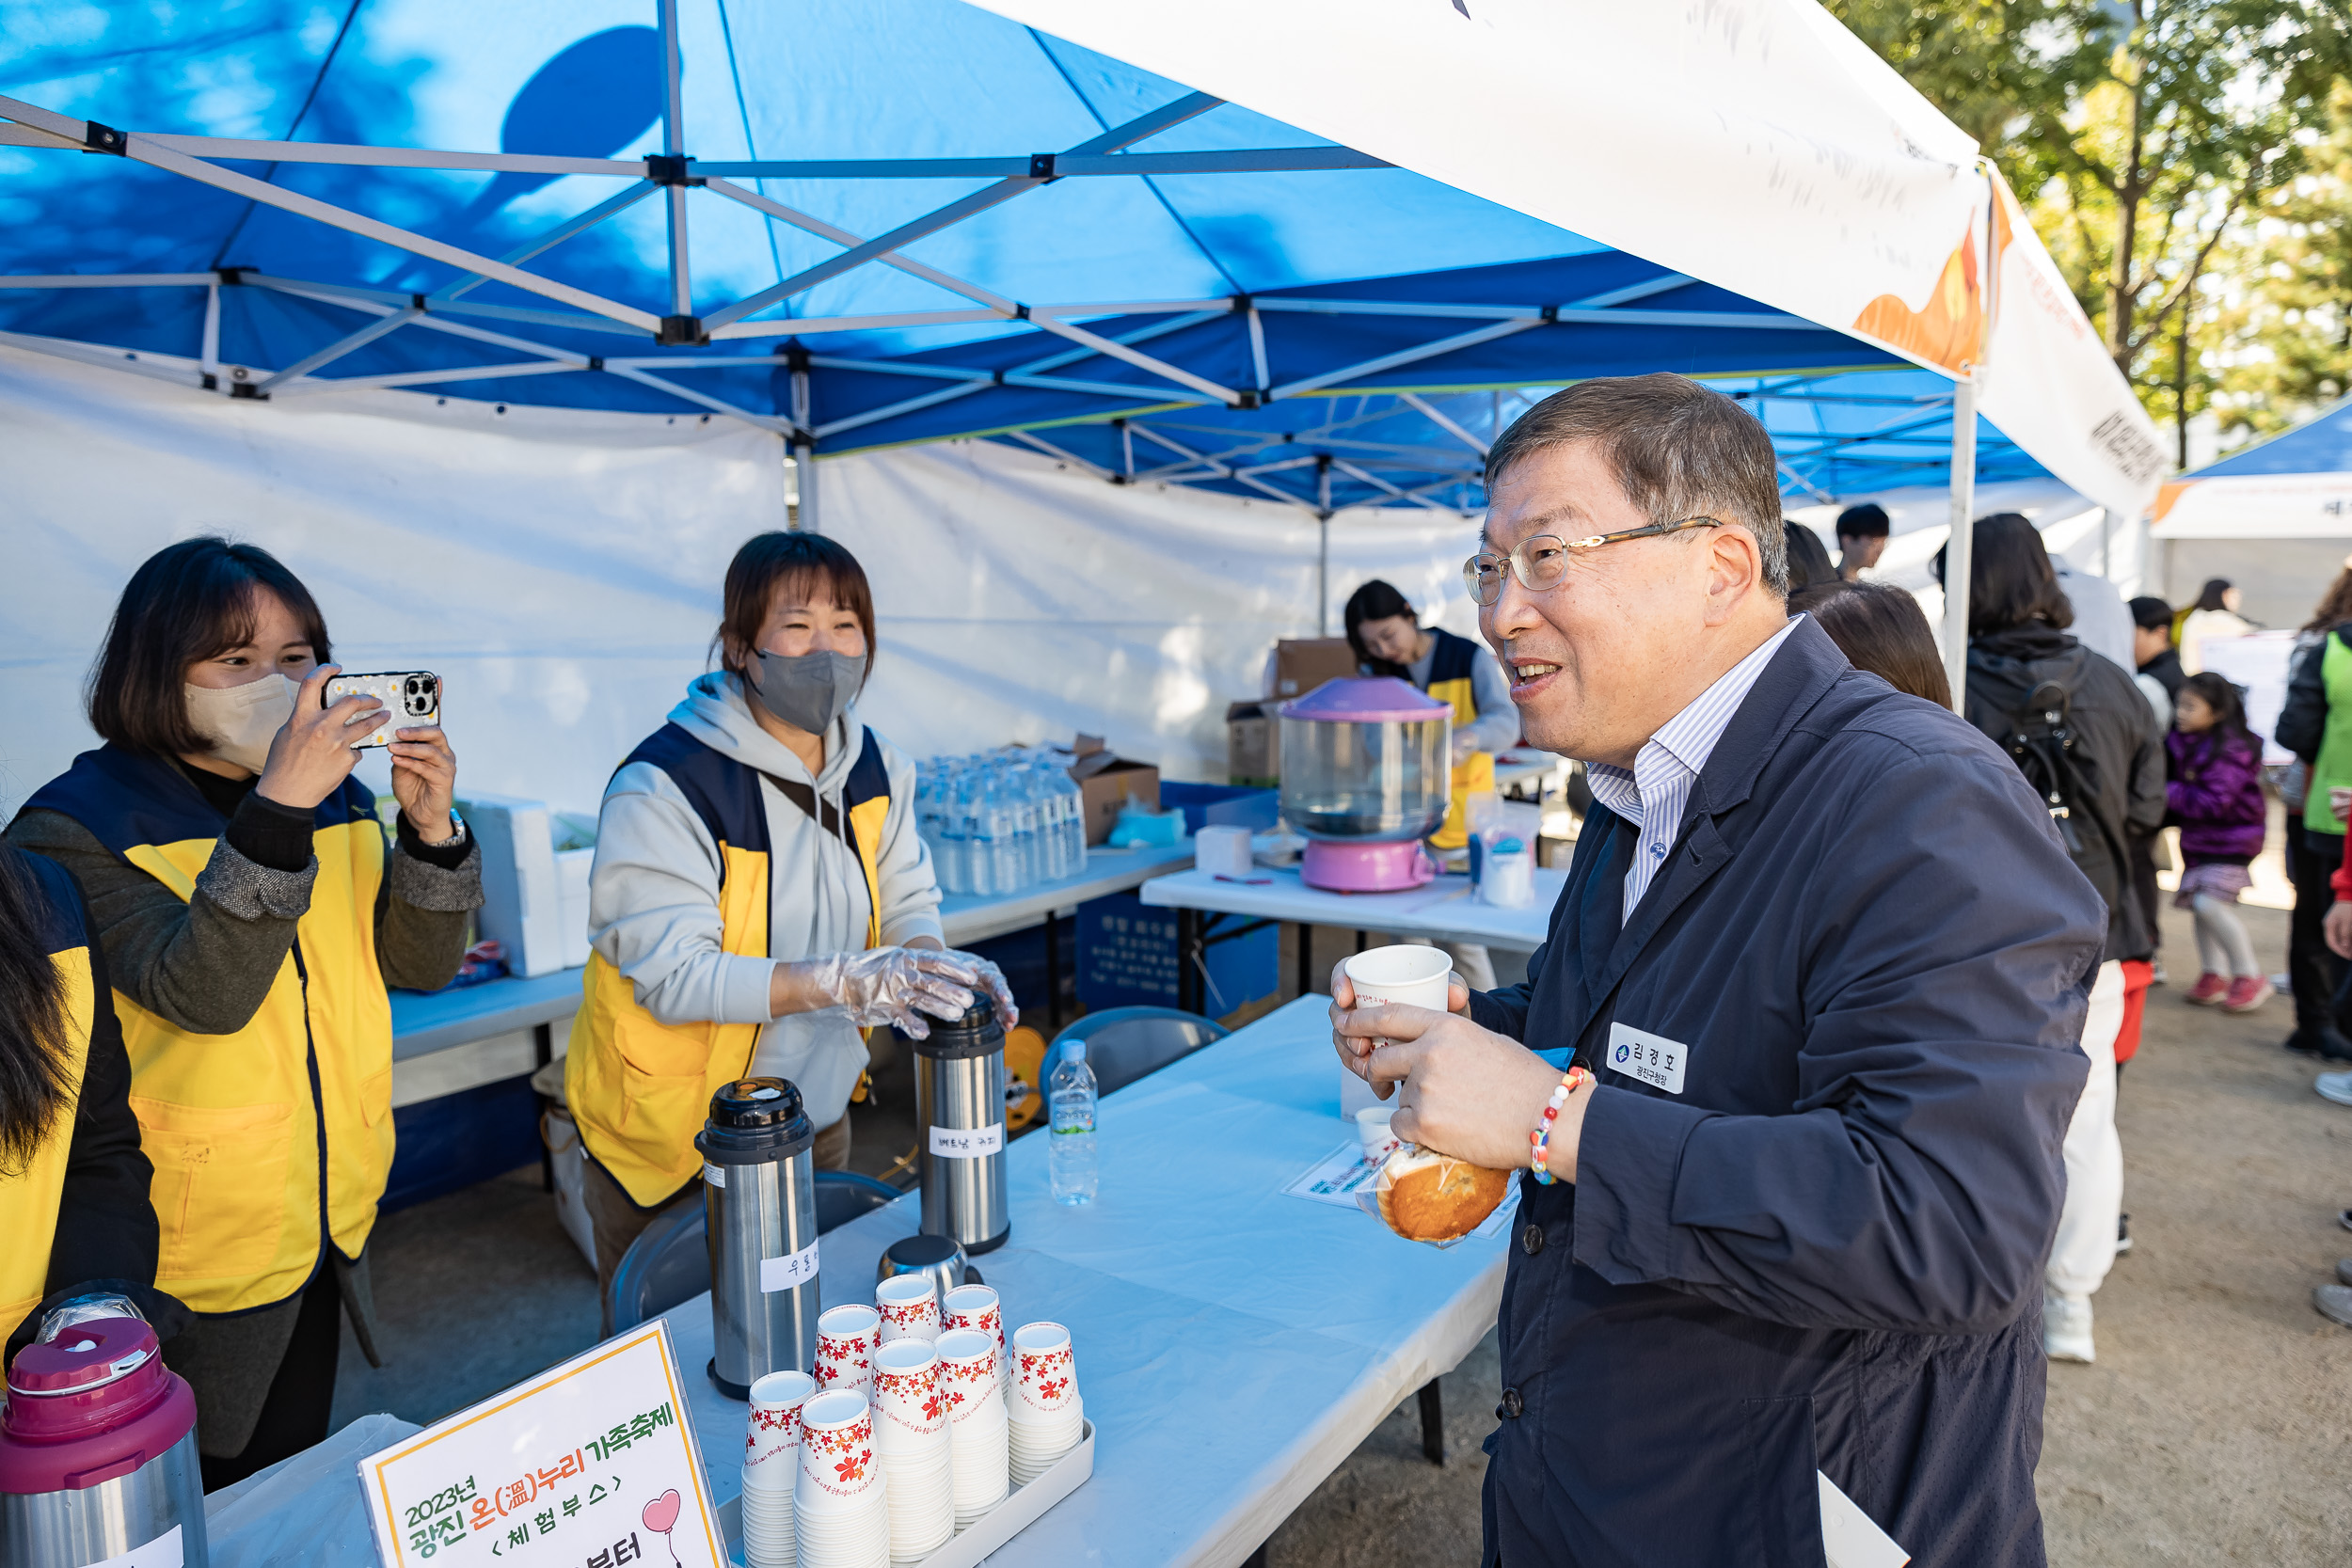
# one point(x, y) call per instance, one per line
point(782, 1274)
point(1652, 1058)
point(967, 1143)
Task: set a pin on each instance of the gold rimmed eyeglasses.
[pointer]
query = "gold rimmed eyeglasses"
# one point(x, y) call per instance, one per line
point(1541, 563)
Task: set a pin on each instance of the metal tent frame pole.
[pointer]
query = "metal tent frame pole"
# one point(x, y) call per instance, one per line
point(1959, 549)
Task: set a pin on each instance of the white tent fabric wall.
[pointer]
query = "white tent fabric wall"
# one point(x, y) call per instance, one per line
point(561, 570)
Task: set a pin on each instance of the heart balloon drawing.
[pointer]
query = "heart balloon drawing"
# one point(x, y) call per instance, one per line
point(661, 1518)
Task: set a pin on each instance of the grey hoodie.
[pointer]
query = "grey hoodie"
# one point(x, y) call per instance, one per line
point(653, 897)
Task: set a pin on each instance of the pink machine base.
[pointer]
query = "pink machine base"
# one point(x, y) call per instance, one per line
point(1387, 866)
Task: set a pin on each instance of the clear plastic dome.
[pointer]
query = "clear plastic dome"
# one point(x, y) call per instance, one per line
point(1368, 762)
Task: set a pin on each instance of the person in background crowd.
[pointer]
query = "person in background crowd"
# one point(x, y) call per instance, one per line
point(2102, 624)
point(1881, 628)
point(1386, 632)
point(1803, 1239)
point(1861, 533)
point(2216, 613)
point(2110, 781)
point(2154, 657)
point(1808, 558)
point(251, 916)
point(2334, 1302)
point(73, 1181)
point(2315, 723)
point(761, 895)
point(2314, 973)
point(2216, 795)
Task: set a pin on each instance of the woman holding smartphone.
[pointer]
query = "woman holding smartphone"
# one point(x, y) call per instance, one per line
point(760, 895)
point(251, 916)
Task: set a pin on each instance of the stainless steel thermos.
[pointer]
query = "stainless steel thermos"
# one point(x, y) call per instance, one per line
point(98, 1450)
point(759, 1204)
point(960, 1119)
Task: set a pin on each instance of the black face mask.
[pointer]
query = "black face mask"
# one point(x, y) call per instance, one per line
point(807, 693)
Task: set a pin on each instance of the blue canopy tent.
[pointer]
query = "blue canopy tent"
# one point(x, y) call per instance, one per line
point(676, 222)
point(1838, 436)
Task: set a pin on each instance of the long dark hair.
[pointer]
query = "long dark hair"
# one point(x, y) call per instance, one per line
point(1375, 601)
point(187, 602)
point(2010, 580)
point(1808, 558)
point(2214, 595)
point(34, 1077)
point(2222, 694)
point(2335, 606)
point(1881, 628)
point(799, 562)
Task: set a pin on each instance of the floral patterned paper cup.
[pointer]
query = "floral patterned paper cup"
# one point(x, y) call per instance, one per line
point(847, 1338)
point(909, 1305)
point(909, 1408)
point(838, 1466)
point(967, 1372)
point(774, 1429)
point(1045, 1375)
point(976, 1307)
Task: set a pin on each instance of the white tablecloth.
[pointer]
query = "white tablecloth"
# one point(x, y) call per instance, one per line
point(1233, 1344)
point(1441, 910)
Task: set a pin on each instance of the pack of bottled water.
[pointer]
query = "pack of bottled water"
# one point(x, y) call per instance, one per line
point(998, 822)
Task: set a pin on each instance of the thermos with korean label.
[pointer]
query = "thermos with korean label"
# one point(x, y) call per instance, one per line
point(759, 1206)
point(960, 1110)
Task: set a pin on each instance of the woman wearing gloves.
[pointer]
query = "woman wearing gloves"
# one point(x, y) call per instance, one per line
point(761, 895)
point(250, 914)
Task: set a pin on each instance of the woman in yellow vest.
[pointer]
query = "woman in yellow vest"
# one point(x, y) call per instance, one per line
point(251, 916)
point(74, 1210)
point(1386, 632)
point(761, 895)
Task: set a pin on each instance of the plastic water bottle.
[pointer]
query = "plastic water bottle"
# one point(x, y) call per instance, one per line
point(1074, 818)
point(1069, 1098)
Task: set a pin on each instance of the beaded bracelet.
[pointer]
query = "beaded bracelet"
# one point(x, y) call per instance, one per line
point(1539, 1141)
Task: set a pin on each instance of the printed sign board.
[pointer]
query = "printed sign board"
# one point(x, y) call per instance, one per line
point(590, 1464)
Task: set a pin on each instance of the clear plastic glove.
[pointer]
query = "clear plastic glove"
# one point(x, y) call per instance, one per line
point(899, 985)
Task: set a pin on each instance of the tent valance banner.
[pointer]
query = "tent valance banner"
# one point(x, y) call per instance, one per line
point(2297, 484)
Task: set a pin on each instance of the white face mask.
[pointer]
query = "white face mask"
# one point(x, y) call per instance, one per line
point(242, 720)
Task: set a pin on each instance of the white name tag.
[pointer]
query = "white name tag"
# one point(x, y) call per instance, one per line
point(967, 1143)
point(1653, 1058)
point(782, 1274)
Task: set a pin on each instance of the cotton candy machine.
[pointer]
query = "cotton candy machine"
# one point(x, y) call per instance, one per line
point(1366, 776)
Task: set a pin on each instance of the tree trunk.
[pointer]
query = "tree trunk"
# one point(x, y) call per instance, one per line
point(2120, 288)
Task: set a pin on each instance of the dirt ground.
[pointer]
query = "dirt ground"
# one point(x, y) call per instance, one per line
point(2216, 1427)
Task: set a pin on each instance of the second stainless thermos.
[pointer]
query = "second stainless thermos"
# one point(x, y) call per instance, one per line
point(960, 1129)
point(759, 1203)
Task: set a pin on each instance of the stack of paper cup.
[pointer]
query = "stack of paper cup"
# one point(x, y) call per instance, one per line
point(772, 1467)
point(917, 1455)
point(847, 1338)
point(838, 1505)
point(1047, 1417)
point(909, 1305)
point(976, 1419)
point(976, 1307)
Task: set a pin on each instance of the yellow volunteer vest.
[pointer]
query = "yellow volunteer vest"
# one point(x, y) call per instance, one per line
point(268, 1142)
point(1450, 683)
point(640, 1089)
point(29, 1197)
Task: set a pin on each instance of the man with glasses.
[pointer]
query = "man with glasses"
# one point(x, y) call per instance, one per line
point(1818, 968)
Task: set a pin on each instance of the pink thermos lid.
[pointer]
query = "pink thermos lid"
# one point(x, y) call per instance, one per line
point(94, 1403)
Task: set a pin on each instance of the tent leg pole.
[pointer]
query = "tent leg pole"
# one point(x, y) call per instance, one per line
point(805, 459)
point(2106, 542)
point(1323, 577)
point(1958, 551)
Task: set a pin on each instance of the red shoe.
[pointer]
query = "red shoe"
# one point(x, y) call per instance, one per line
point(2210, 988)
point(2248, 993)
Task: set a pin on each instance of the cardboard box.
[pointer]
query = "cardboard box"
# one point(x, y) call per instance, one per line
point(1106, 783)
point(1303, 663)
point(1253, 744)
point(535, 896)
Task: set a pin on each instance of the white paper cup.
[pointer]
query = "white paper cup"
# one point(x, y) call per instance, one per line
point(847, 1338)
point(837, 1461)
point(909, 1305)
point(976, 1307)
point(774, 1427)
point(1408, 973)
point(1045, 1373)
point(1372, 1126)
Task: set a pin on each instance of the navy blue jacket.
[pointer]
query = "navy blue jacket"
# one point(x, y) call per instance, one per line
point(1826, 1252)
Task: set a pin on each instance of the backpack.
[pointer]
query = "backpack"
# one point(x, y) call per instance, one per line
point(2041, 742)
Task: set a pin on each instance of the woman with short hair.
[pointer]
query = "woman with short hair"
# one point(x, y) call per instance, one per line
point(760, 895)
point(251, 916)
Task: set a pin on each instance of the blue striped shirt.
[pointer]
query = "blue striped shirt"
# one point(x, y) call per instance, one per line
point(1652, 795)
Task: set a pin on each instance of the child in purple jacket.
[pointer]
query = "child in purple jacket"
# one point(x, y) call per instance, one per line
point(2216, 798)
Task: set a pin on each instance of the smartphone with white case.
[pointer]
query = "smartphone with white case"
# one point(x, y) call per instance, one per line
point(411, 699)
